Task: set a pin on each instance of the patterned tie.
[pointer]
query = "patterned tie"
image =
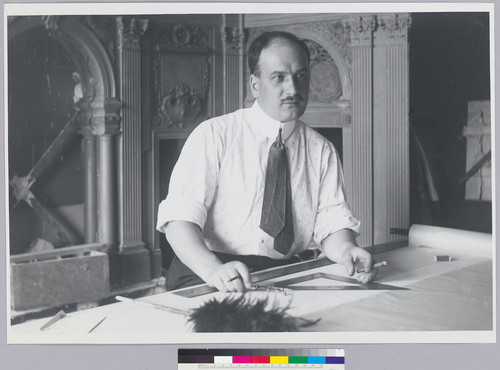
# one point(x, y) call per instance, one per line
point(277, 218)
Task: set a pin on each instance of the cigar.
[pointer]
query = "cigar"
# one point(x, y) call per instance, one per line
point(377, 265)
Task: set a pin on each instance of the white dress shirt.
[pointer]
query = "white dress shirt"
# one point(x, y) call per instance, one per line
point(218, 184)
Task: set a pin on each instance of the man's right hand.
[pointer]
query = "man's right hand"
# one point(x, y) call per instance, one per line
point(233, 276)
point(188, 244)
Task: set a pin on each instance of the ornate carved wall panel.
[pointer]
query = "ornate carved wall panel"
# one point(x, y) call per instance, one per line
point(181, 77)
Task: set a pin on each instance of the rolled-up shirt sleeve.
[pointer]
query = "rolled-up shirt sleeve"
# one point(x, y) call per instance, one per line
point(194, 179)
point(333, 213)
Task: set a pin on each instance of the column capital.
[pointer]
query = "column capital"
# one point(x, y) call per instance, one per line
point(361, 28)
point(99, 118)
point(395, 26)
point(234, 38)
point(130, 31)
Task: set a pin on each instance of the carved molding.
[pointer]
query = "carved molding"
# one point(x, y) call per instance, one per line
point(361, 29)
point(184, 37)
point(99, 119)
point(157, 77)
point(396, 26)
point(179, 107)
point(347, 119)
point(234, 38)
point(130, 31)
point(325, 84)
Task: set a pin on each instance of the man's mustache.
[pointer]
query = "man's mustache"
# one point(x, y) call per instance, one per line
point(292, 99)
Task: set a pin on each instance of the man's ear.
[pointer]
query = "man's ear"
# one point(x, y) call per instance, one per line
point(254, 86)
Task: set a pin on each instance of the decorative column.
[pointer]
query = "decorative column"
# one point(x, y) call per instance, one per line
point(391, 126)
point(89, 148)
point(361, 193)
point(134, 257)
point(233, 41)
point(99, 123)
point(106, 180)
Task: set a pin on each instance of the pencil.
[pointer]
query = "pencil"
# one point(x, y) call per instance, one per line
point(377, 265)
point(96, 325)
point(152, 305)
point(57, 317)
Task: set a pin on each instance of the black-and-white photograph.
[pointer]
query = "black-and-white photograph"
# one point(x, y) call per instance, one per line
point(195, 175)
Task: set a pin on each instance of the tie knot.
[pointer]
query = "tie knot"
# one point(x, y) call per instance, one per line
point(278, 138)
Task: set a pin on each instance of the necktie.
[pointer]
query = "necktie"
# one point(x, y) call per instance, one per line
point(277, 218)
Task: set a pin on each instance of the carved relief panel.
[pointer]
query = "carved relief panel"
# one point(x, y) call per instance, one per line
point(325, 84)
point(181, 73)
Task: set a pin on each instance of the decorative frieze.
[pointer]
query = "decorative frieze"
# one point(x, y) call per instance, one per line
point(183, 36)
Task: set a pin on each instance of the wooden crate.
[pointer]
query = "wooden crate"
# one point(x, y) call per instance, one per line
point(55, 282)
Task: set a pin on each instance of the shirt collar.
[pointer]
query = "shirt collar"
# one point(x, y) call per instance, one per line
point(268, 126)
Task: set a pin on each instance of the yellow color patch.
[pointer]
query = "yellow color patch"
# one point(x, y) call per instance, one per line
point(278, 359)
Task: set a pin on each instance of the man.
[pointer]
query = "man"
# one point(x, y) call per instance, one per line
point(220, 214)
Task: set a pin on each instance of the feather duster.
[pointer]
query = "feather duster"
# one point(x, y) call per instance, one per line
point(242, 314)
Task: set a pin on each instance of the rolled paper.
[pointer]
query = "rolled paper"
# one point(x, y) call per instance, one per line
point(451, 240)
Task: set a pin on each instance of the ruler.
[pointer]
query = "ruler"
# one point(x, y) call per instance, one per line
point(275, 272)
point(288, 284)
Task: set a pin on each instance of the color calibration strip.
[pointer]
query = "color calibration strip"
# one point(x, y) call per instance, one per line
point(261, 360)
point(260, 357)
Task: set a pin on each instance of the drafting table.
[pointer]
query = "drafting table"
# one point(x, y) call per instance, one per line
point(437, 296)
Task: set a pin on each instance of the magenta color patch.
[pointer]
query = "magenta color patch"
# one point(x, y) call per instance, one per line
point(242, 359)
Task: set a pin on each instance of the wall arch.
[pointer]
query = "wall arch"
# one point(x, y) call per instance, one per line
point(86, 50)
point(304, 32)
point(98, 117)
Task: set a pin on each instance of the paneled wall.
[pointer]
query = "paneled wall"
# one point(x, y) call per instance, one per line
point(147, 81)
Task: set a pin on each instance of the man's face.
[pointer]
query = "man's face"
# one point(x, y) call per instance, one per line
point(282, 89)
